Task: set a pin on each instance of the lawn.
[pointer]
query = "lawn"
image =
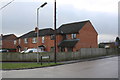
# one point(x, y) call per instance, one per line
point(25, 65)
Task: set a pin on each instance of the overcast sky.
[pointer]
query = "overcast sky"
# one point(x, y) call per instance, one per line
point(20, 16)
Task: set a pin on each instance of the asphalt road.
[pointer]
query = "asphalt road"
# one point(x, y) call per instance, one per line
point(103, 68)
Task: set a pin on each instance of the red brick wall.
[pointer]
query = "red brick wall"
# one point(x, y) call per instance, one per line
point(59, 38)
point(48, 43)
point(88, 37)
point(9, 42)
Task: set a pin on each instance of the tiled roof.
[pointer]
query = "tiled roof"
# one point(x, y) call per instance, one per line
point(71, 28)
point(68, 43)
point(42, 32)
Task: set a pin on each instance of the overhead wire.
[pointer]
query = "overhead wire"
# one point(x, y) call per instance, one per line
point(6, 5)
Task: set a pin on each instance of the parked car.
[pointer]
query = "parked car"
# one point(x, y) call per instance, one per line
point(31, 50)
point(22, 51)
point(4, 50)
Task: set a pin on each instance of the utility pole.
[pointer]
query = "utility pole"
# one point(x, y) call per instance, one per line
point(55, 31)
point(6, 5)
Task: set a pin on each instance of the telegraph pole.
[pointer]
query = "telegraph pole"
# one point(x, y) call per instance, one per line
point(55, 31)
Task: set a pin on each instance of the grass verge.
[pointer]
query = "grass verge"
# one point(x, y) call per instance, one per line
point(25, 65)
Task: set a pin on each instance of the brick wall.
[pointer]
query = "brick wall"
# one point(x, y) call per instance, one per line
point(87, 36)
point(47, 42)
point(8, 43)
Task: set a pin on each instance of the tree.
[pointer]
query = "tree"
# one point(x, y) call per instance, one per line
point(117, 42)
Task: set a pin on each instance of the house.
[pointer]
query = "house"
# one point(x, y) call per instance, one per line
point(107, 45)
point(70, 37)
point(7, 42)
point(29, 40)
point(73, 36)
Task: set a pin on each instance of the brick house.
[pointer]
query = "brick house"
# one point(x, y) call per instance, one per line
point(70, 37)
point(29, 40)
point(77, 35)
point(7, 42)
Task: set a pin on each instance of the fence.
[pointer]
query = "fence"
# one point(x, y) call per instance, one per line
point(82, 53)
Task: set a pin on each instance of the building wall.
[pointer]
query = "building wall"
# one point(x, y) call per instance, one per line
point(88, 37)
point(59, 38)
point(8, 43)
point(47, 42)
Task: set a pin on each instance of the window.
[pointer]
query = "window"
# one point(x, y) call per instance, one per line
point(26, 40)
point(34, 40)
point(69, 49)
point(1, 42)
point(43, 39)
point(73, 36)
point(52, 49)
point(52, 37)
point(19, 41)
point(65, 36)
point(15, 42)
point(62, 49)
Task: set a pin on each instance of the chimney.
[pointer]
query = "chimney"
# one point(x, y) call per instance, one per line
point(36, 29)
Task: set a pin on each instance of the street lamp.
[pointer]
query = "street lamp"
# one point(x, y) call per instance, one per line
point(38, 28)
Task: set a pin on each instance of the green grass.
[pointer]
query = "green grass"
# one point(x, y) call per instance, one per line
point(25, 65)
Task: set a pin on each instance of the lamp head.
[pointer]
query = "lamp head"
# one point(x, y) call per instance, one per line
point(43, 5)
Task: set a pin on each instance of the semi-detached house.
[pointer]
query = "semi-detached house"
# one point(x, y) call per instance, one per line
point(7, 42)
point(70, 37)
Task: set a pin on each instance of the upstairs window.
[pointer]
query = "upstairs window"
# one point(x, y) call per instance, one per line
point(65, 36)
point(26, 40)
point(43, 39)
point(34, 40)
point(19, 41)
point(52, 37)
point(73, 36)
point(0, 42)
point(15, 42)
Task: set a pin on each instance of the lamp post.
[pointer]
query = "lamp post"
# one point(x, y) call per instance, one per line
point(38, 28)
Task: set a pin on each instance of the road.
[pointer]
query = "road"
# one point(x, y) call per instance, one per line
point(103, 68)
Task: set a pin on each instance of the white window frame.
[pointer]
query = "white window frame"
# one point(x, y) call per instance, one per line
point(34, 40)
point(52, 37)
point(74, 36)
point(25, 40)
point(19, 41)
point(43, 39)
point(0, 42)
point(15, 42)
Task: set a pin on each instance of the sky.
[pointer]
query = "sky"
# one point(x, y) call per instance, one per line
point(19, 17)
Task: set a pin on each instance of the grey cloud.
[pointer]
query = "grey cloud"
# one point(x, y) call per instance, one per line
point(21, 18)
point(104, 23)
